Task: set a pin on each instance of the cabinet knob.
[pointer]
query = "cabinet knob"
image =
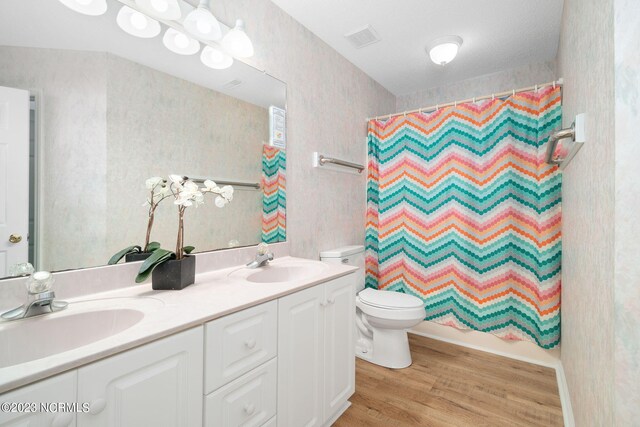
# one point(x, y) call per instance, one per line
point(62, 419)
point(97, 406)
point(249, 408)
point(323, 303)
point(250, 343)
point(331, 300)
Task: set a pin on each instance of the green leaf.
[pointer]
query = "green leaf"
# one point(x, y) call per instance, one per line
point(188, 249)
point(128, 250)
point(157, 257)
point(152, 246)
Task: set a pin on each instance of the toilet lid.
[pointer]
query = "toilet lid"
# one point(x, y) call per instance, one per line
point(388, 299)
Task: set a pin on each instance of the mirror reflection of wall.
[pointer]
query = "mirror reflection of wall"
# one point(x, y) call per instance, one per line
point(101, 124)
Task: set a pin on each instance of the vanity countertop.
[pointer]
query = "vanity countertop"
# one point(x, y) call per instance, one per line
point(213, 295)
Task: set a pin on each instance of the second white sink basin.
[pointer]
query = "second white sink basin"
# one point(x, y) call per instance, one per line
point(34, 338)
point(278, 273)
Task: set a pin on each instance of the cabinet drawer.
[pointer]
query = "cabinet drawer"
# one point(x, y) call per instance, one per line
point(237, 343)
point(248, 401)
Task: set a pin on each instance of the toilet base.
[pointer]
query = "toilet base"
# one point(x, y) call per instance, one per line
point(388, 348)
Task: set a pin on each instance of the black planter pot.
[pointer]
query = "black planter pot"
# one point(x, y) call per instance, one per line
point(174, 274)
point(137, 256)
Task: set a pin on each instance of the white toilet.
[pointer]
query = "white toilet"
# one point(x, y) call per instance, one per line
point(382, 317)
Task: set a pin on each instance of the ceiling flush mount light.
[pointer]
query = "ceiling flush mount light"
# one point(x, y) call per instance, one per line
point(137, 24)
point(87, 7)
point(237, 43)
point(215, 58)
point(444, 49)
point(161, 9)
point(201, 23)
point(180, 43)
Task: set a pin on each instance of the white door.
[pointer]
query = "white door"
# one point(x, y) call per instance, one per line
point(14, 177)
point(158, 384)
point(300, 370)
point(339, 346)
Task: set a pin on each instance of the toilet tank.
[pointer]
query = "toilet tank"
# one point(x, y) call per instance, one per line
point(349, 255)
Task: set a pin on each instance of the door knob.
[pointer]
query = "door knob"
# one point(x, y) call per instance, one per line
point(15, 238)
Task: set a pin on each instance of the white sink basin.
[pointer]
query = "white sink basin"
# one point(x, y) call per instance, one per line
point(81, 324)
point(278, 273)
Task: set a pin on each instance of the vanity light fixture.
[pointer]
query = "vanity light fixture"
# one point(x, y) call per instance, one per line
point(215, 58)
point(201, 23)
point(137, 24)
point(180, 43)
point(161, 9)
point(444, 49)
point(87, 7)
point(236, 41)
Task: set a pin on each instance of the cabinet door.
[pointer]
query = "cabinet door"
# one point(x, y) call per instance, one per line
point(158, 384)
point(59, 389)
point(300, 338)
point(237, 343)
point(339, 344)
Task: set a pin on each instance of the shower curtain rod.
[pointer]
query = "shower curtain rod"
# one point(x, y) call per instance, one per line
point(512, 92)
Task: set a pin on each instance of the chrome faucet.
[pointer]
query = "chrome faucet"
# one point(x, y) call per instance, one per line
point(262, 257)
point(40, 298)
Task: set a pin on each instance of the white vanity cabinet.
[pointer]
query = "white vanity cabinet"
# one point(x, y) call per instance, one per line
point(158, 384)
point(316, 362)
point(61, 388)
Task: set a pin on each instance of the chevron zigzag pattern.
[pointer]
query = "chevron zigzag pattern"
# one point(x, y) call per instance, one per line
point(274, 194)
point(463, 212)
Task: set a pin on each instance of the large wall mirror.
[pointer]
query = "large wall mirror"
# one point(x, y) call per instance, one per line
point(108, 111)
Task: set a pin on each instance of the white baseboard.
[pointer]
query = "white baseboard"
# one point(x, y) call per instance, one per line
point(519, 350)
point(565, 398)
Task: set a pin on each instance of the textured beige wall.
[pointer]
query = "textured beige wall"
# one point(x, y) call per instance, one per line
point(514, 78)
point(328, 101)
point(627, 226)
point(74, 150)
point(585, 60)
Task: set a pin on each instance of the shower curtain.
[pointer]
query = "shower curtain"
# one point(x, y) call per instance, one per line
point(274, 195)
point(463, 212)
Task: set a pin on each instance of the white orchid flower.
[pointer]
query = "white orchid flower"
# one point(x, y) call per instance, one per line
point(176, 179)
point(152, 182)
point(211, 186)
point(227, 192)
point(220, 201)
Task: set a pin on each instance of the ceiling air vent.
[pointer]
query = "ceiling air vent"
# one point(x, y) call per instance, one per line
point(363, 37)
point(233, 83)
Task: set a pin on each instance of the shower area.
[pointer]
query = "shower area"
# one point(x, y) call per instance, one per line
point(464, 211)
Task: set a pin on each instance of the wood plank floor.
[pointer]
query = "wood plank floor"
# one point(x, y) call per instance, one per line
point(450, 385)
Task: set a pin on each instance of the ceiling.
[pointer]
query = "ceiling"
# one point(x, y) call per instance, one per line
point(497, 34)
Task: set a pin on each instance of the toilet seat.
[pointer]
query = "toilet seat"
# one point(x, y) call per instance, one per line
point(389, 300)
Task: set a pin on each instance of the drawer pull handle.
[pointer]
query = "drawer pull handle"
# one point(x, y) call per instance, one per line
point(63, 419)
point(249, 408)
point(250, 343)
point(323, 303)
point(331, 300)
point(97, 406)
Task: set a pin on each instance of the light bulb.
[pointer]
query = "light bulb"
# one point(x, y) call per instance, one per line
point(138, 20)
point(444, 50)
point(181, 41)
point(87, 7)
point(160, 5)
point(137, 24)
point(237, 43)
point(215, 58)
point(203, 26)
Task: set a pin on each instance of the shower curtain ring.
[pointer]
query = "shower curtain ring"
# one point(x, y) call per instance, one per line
point(536, 88)
point(474, 100)
point(513, 92)
point(554, 84)
point(437, 107)
point(493, 96)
